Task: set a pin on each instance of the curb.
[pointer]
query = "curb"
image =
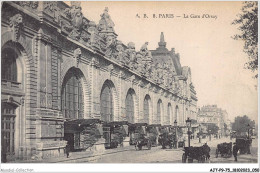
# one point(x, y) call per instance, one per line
point(90, 156)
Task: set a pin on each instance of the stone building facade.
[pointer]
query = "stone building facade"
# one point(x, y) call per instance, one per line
point(211, 114)
point(59, 67)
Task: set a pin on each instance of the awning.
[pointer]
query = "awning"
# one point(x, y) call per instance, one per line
point(77, 125)
point(135, 125)
point(154, 125)
point(80, 122)
point(115, 123)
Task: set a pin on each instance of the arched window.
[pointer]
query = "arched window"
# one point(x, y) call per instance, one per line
point(9, 67)
point(129, 101)
point(146, 109)
point(159, 111)
point(106, 104)
point(169, 114)
point(177, 114)
point(72, 97)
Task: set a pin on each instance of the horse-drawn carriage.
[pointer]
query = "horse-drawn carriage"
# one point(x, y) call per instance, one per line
point(198, 153)
point(224, 149)
point(136, 131)
point(243, 145)
point(114, 133)
point(167, 137)
point(138, 136)
point(153, 133)
point(143, 141)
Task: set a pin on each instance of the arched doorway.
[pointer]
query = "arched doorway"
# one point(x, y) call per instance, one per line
point(107, 111)
point(8, 116)
point(12, 123)
point(72, 105)
point(129, 102)
point(147, 103)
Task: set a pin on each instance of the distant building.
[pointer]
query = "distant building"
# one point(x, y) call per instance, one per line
point(211, 114)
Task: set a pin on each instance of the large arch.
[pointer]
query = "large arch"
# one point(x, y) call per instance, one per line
point(108, 102)
point(159, 115)
point(176, 117)
point(131, 106)
point(85, 88)
point(72, 95)
point(147, 109)
point(16, 84)
point(169, 118)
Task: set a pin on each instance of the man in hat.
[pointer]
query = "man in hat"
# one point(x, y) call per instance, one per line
point(235, 150)
point(67, 149)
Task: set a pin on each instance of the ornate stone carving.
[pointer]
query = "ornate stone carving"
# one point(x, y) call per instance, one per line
point(110, 46)
point(106, 23)
point(131, 55)
point(49, 100)
point(30, 4)
point(10, 99)
point(110, 68)
point(158, 73)
point(141, 83)
point(16, 24)
point(132, 78)
point(77, 55)
point(122, 74)
point(77, 23)
point(49, 6)
point(94, 62)
point(146, 60)
point(22, 100)
point(42, 99)
point(120, 54)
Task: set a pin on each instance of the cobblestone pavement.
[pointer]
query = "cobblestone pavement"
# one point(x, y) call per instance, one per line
point(158, 155)
point(155, 155)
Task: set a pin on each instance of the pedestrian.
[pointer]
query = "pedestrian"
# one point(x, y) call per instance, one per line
point(235, 150)
point(67, 150)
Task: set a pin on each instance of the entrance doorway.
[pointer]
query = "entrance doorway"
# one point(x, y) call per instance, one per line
point(8, 132)
point(70, 138)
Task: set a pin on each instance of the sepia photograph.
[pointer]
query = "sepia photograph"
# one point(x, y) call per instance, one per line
point(165, 85)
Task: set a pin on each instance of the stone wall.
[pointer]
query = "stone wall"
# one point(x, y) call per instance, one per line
point(53, 38)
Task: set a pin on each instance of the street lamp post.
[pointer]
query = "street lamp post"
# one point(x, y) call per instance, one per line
point(210, 135)
point(188, 123)
point(199, 133)
point(176, 135)
point(248, 130)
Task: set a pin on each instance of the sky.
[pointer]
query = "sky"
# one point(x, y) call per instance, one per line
point(204, 44)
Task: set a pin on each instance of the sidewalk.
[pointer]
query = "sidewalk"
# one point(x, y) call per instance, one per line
point(213, 141)
point(78, 155)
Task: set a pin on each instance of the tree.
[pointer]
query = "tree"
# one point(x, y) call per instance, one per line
point(248, 25)
point(212, 128)
point(241, 124)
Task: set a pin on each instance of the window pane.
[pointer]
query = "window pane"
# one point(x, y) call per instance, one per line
point(9, 68)
point(130, 108)
point(146, 109)
point(73, 96)
point(106, 104)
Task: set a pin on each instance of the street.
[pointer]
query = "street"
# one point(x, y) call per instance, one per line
point(158, 155)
